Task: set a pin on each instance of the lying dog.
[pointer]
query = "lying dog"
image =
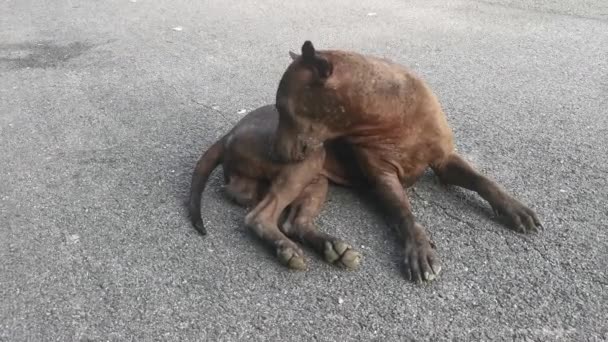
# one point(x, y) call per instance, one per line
point(396, 128)
point(254, 178)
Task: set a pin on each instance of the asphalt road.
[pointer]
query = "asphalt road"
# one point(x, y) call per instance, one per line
point(105, 106)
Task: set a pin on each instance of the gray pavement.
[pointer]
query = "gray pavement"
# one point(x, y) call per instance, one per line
point(105, 106)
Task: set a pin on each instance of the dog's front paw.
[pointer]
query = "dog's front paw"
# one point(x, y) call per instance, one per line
point(421, 262)
point(519, 217)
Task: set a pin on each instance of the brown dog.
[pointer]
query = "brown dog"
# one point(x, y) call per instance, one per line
point(396, 128)
point(253, 177)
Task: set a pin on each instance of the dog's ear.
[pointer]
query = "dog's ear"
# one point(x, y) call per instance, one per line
point(319, 63)
point(308, 51)
point(293, 55)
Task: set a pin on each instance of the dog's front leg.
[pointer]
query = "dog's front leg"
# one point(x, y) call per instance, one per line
point(421, 262)
point(455, 170)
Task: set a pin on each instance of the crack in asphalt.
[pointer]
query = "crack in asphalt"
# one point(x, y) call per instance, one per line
point(445, 210)
point(546, 12)
point(223, 114)
point(505, 237)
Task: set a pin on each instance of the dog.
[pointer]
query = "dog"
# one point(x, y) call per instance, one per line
point(396, 128)
point(295, 191)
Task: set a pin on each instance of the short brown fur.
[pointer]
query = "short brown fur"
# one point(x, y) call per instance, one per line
point(396, 128)
point(291, 194)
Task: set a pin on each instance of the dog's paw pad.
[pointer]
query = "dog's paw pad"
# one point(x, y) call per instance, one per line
point(291, 258)
point(342, 254)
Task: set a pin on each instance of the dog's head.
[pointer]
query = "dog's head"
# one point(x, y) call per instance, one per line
point(303, 100)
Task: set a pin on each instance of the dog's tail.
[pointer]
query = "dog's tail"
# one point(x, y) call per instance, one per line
point(208, 162)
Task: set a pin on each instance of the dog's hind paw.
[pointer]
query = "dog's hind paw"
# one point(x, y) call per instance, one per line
point(291, 257)
point(342, 254)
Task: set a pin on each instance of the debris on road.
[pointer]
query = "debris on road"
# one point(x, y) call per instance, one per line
point(74, 238)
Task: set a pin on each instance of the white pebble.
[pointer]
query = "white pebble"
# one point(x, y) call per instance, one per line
point(178, 28)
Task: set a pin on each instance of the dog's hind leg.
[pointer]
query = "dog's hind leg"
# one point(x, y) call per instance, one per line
point(284, 189)
point(300, 225)
point(244, 191)
point(455, 170)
